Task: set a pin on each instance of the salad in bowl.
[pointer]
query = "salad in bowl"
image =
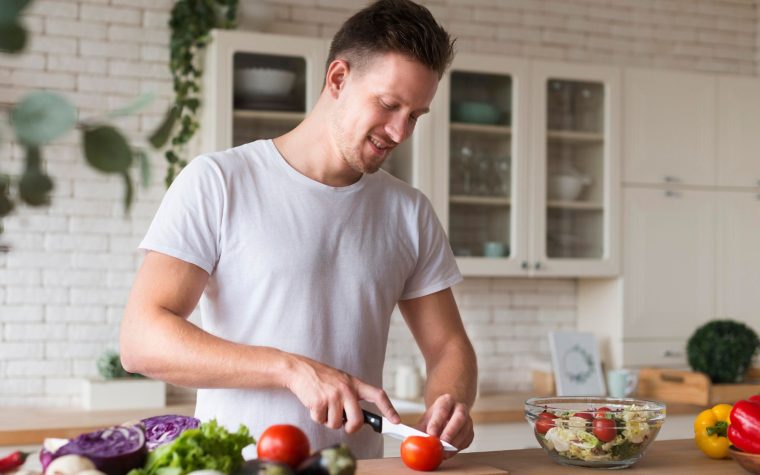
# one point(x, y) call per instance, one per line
point(594, 431)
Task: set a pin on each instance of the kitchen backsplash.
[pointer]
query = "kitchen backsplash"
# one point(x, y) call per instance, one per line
point(63, 286)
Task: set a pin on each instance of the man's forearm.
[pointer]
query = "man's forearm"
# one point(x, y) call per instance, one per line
point(454, 371)
point(168, 347)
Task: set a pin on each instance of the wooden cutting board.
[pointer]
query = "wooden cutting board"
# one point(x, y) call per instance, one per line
point(455, 466)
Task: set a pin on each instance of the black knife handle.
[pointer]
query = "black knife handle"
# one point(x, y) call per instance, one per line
point(373, 420)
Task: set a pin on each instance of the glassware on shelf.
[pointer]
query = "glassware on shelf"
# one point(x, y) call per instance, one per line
point(589, 102)
point(559, 112)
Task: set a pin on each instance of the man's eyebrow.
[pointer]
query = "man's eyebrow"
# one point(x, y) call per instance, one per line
point(424, 110)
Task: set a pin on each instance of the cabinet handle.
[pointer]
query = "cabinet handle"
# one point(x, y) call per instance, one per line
point(524, 265)
point(672, 354)
point(670, 179)
point(538, 266)
point(758, 182)
point(672, 194)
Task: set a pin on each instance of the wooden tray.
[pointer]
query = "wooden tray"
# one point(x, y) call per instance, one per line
point(690, 387)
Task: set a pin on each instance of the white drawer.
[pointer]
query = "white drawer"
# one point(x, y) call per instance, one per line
point(670, 353)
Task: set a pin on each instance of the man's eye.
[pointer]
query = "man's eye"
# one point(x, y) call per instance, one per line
point(387, 106)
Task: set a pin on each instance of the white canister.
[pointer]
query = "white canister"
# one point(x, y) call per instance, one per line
point(408, 382)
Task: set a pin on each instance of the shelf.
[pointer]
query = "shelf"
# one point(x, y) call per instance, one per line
point(480, 200)
point(577, 137)
point(481, 128)
point(269, 115)
point(575, 205)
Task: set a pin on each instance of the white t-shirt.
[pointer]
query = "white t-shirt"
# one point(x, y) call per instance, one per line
point(301, 266)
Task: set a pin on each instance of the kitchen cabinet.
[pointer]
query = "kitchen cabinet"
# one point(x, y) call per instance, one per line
point(668, 286)
point(257, 85)
point(670, 127)
point(519, 158)
point(526, 166)
point(738, 257)
point(738, 129)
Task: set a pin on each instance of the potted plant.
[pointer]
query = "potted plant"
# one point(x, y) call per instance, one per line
point(118, 389)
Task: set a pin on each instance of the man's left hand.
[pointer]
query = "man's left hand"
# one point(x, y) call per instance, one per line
point(448, 420)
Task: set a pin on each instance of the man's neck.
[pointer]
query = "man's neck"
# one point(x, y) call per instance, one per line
point(309, 151)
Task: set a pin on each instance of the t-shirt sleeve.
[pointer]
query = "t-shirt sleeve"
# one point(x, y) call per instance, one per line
point(436, 267)
point(188, 221)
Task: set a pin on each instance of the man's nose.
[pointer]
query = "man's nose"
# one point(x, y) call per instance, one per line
point(398, 129)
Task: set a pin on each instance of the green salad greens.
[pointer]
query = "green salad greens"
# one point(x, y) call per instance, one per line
point(209, 447)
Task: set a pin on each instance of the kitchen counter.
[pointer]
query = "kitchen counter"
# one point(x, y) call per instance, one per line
point(671, 457)
point(23, 425)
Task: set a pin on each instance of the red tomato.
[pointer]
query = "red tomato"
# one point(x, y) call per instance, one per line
point(545, 422)
point(602, 411)
point(422, 453)
point(604, 429)
point(283, 443)
point(584, 415)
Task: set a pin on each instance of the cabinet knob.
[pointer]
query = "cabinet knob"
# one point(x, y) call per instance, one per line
point(524, 265)
point(538, 266)
point(672, 194)
point(672, 354)
point(670, 179)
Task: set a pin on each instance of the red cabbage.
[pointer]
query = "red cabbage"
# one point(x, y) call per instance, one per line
point(160, 430)
point(114, 451)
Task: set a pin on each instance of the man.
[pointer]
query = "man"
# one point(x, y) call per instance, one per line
point(299, 251)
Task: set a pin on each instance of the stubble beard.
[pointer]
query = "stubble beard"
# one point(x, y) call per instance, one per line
point(352, 155)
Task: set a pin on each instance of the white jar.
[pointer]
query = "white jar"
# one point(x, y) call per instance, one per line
point(408, 382)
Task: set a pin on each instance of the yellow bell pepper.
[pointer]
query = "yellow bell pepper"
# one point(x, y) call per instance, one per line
point(710, 428)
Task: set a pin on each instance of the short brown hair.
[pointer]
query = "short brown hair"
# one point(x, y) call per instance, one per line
point(393, 26)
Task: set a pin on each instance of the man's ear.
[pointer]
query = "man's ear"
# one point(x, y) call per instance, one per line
point(335, 79)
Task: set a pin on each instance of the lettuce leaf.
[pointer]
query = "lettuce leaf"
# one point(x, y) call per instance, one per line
point(210, 447)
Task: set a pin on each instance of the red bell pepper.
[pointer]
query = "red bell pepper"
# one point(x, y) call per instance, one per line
point(744, 431)
point(12, 461)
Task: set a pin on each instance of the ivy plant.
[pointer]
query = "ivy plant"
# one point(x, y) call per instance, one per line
point(191, 22)
point(42, 117)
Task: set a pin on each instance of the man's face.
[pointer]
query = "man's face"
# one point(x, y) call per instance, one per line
point(378, 107)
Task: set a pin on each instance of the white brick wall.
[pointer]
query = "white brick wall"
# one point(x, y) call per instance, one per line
point(63, 287)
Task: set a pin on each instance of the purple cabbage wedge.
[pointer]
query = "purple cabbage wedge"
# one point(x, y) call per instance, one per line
point(114, 451)
point(160, 430)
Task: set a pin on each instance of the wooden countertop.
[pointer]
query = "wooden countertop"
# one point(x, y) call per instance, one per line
point(671, 457)
point(26, 426)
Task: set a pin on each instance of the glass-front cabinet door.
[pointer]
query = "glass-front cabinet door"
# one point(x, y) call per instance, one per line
point(258, 85)
point(575, 179)
point(479, 163)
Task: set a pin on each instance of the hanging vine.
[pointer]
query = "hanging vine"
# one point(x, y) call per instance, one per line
point(191, 22)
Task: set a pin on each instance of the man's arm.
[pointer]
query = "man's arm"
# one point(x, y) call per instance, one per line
point(157, 340)
point(452, 371)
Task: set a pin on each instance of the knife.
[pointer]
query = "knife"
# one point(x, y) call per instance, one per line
point(381, 425)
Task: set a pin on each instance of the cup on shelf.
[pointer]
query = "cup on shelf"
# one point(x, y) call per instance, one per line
point(495, 249)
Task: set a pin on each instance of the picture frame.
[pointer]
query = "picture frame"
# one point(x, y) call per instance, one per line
point(576, 364)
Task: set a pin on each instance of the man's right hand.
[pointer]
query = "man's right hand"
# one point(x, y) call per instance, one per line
point(328, 392)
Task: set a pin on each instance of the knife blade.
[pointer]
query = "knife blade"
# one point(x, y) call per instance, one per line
point(381, 425)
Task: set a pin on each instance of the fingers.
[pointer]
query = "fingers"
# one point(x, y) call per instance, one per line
point(450, 421)
point(440, 412)
point(379, 398)
point(354, 416)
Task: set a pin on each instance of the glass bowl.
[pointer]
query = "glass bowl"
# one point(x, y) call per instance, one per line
point(597, 432)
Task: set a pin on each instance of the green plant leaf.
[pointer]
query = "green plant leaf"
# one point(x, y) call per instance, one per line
point(161, 135)
point(129, 191)
point(12, 37)
point(145, 171)
point(35, 186)
point(10, 10)
point(42, 117)
point(6, 203)
point(136, 106)
point(106, 149)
